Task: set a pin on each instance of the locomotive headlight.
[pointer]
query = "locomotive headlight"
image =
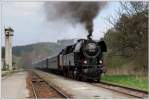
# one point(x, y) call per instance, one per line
point(85, 62)
point(100, 61)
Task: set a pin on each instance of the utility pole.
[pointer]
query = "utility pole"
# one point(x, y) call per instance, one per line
point(8, 48)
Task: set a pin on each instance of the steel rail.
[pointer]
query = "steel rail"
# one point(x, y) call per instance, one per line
point(58, 90)
point(124, 87)
point(134, 93)
point(34, 91)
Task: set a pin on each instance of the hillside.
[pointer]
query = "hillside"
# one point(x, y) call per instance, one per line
point(38, 48)
point(24, 56)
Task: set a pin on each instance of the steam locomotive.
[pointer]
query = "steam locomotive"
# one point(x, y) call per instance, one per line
point(81, 61)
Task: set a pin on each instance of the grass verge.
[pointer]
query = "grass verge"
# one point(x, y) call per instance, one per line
point(132, 81)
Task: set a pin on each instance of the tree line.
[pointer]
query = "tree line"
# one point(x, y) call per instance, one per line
point(128, 37)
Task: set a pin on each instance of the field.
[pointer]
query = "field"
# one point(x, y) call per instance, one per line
point(137, 82)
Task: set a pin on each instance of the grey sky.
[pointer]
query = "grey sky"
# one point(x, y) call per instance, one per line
point(30, 25)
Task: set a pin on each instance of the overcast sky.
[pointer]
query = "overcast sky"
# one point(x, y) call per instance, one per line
point(30, 25)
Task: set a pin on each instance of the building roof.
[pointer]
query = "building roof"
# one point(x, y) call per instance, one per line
point(9, 29)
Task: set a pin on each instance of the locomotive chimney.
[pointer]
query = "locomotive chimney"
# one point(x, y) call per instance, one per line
point(89, 28)
point(89, 35)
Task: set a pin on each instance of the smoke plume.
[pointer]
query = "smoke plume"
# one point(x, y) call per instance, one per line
point(74, 12)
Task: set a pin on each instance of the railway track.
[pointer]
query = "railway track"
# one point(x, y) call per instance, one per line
point(78, 89)
point(122, 89)
point(41, 89)
point(34, 92)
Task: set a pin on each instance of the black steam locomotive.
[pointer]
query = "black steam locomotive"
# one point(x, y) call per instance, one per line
point(82, 60)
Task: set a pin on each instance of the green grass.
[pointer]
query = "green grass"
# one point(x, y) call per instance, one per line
point(137, 82)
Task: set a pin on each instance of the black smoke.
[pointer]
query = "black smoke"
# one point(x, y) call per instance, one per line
point(74, 12)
